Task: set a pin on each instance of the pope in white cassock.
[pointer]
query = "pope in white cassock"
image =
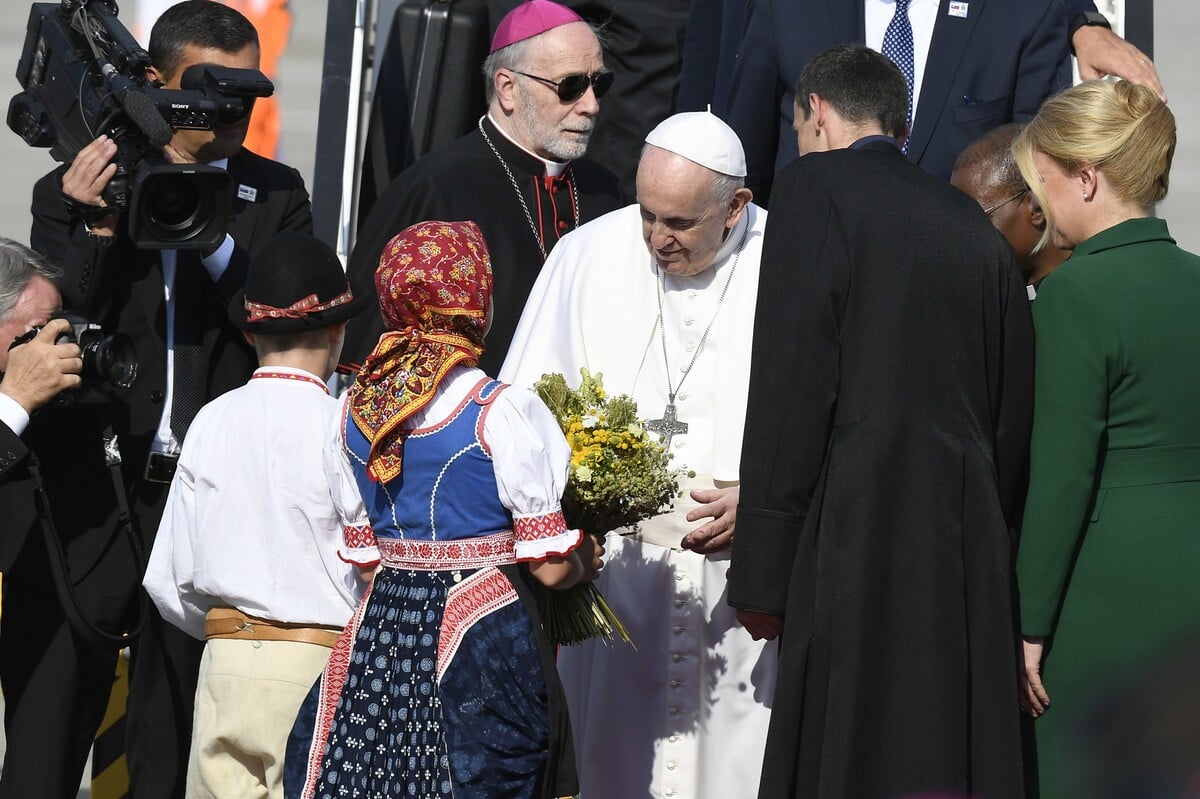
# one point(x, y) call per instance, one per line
point(659, 297)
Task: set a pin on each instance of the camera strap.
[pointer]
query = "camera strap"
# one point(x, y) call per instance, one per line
point(59, 570)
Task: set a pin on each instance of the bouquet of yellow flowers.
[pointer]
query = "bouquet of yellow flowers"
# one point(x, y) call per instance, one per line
point(619, 476)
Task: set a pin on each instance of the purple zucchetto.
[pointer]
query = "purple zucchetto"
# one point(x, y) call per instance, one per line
point(531, 19)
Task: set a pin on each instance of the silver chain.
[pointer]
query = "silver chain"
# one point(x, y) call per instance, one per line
point(662, 322)
point(537, 237)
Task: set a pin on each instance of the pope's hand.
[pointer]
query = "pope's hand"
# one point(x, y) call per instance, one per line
point(720, 505)
point(761, 626)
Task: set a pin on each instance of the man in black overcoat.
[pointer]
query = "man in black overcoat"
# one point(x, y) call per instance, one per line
point(887, 424)
point(56, 681)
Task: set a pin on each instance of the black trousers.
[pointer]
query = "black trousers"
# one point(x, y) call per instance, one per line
point(56, 682)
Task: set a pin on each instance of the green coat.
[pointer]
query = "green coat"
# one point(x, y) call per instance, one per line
point(1109, 559)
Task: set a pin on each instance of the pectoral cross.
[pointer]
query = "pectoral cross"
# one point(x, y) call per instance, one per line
point(668, 426)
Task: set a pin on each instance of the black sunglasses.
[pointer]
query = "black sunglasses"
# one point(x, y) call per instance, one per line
point(572, 87)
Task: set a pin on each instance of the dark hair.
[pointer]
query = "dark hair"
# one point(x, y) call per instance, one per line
point(993, 152)
point(202, 23)
point(862, 85)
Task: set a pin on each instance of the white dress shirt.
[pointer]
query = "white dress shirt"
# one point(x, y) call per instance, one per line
point(215, 265)
point(922, 14)
point(12, 414)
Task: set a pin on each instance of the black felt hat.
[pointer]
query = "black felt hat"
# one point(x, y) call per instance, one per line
point(296, 283)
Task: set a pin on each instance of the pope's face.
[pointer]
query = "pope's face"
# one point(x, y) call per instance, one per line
point(544, 124)
point(683, 223)
point(204, 146)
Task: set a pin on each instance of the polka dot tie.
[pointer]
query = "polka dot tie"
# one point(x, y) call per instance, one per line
point(898, 46)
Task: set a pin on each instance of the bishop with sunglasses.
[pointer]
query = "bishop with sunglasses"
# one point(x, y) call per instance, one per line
point(520, 175)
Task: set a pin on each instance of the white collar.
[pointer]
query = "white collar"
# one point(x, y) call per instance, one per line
point(553, 168)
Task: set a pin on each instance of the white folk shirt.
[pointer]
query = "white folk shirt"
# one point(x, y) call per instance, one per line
point(685, 715)
point(251, 519)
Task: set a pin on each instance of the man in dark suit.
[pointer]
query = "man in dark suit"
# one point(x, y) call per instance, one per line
point(887, 426)
point(986, 62)
point(173, 304)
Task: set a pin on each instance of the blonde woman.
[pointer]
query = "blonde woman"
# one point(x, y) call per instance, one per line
point(1109, 556)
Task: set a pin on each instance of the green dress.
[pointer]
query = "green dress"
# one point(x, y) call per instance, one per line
point(1108, 564)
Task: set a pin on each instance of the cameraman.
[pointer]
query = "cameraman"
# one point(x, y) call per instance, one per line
point(31, 374)
point(173, 304)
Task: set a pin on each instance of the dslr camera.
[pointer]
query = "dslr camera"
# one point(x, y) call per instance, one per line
point(109, 359)
point(83, 74)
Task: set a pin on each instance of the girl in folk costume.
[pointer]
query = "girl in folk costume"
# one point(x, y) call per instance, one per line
point(443, 683)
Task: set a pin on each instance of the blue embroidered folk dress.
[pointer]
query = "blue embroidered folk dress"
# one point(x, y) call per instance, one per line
point(443, 683)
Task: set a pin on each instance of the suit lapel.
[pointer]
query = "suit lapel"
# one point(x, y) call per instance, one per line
point(951, 34)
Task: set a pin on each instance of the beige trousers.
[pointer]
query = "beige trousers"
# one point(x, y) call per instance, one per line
point(247, 698)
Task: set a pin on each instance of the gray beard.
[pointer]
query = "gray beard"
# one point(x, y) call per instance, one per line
point(557, 146)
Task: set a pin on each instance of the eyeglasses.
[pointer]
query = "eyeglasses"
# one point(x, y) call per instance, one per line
point(572, 87)
point(990, 209)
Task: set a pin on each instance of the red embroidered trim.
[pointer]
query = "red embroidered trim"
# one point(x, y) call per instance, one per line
point(299, 309)
point(333, 679)
point(358, 536)
point(484, 592)
point(289, 376)
point(535, 528)
point(466, 553)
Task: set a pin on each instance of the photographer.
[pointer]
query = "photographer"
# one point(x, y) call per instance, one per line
point(32, 373)
point(172, 303)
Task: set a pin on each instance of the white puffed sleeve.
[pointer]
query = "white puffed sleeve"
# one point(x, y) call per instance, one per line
point(531, 459)
point(358, 539)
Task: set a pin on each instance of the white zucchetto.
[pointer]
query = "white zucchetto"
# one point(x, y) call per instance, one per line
point(702, 138)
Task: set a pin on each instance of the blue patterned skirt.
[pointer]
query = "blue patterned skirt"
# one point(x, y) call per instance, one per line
point(442, 685)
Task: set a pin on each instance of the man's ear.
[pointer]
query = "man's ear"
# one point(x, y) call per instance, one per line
point(1037, 217)
point(154, 76)
point(246, 334)
point(504, 85)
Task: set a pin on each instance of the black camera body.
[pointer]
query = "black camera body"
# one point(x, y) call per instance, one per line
point(109, 360)
point(84, 75)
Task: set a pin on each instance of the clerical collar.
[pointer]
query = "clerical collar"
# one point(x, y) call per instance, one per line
point(877, 137)
point(551, 168)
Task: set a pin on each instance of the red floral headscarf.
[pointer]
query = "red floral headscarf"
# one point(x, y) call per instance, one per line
point(435, 286)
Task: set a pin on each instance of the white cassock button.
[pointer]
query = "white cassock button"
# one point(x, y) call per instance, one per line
point(678, 576)
point(676, 657)
point(690, 346)
point(683, 396)
point(678, 445)
point(689, 321)
point(680, 629)
point(674, 739)
point(691, 294)
point(669, 792)
point(676, 684)
point(671, 766)
point(674, 711)
point(679, 603)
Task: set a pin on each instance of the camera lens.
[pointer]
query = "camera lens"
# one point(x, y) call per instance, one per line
point(174, 205)
point(110, 359)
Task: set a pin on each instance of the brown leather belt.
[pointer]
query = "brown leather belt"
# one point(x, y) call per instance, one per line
point(232, 623)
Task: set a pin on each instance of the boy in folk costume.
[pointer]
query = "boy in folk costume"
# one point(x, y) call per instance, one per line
point(247, 555)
